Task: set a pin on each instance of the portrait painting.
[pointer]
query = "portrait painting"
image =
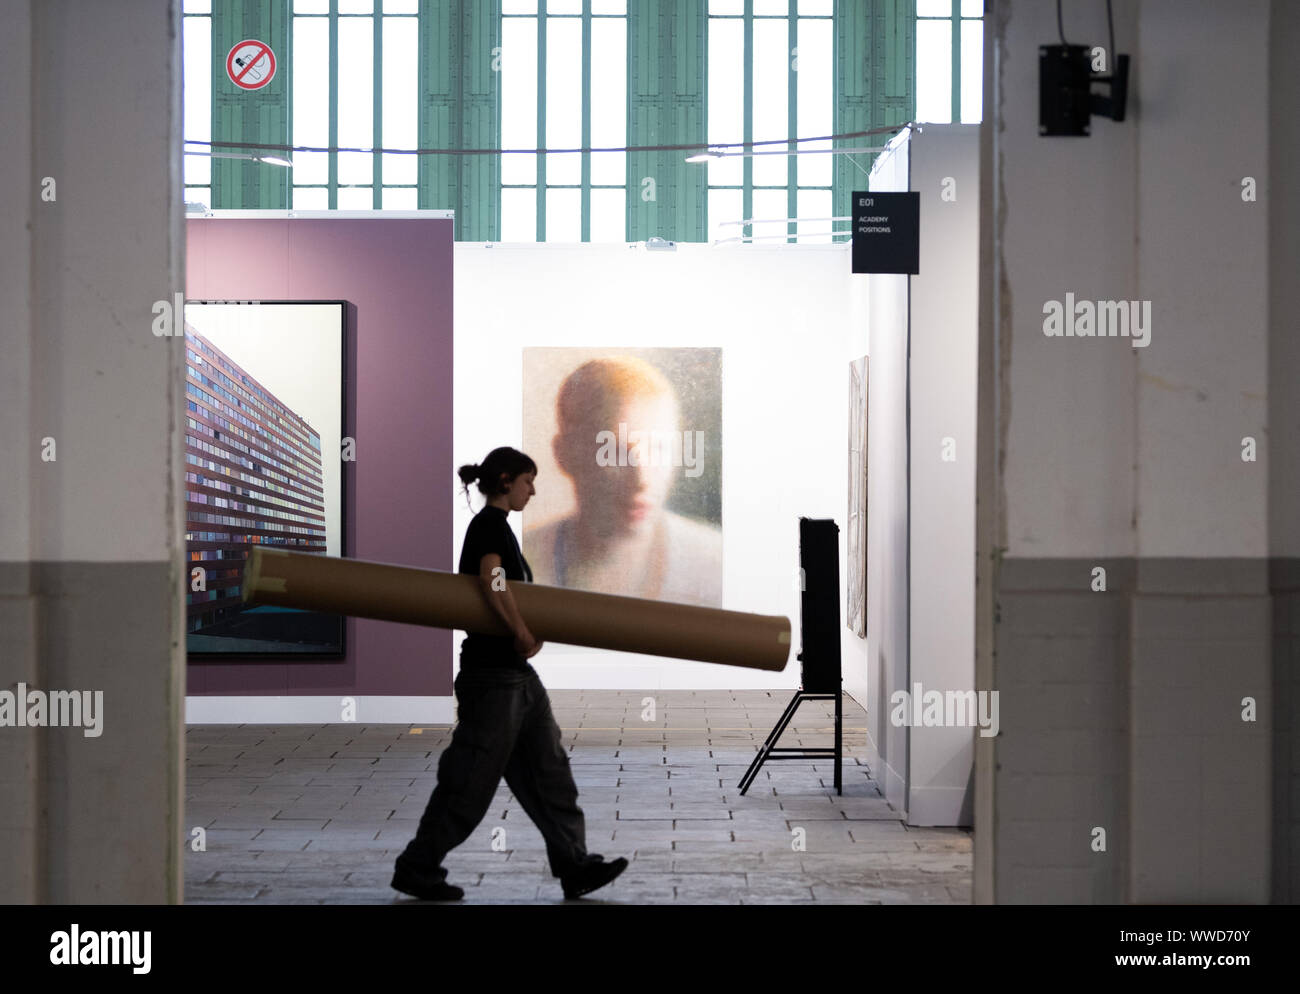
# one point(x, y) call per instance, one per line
point(629, 485)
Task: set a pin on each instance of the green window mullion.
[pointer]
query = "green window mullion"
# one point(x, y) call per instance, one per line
point(541, 125)
point(875, 81)
point(704, 116)
point(334, 105)
point(258, 116)
point(378, 119)
point(586, 121)
point(747, 164)
point(666, 105)
point(792, 114)
point(459, 108)
point(288, 108)
point(631, 132)
point(956, 61)
point(481, 174)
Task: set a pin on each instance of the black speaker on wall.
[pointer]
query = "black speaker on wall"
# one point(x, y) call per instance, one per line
point(819, 605)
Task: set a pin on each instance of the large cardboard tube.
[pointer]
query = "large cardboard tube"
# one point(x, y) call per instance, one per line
point(553, 614)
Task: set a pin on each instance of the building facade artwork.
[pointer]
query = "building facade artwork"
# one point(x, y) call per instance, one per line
point(253, 476)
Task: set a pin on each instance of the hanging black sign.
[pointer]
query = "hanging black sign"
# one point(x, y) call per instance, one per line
point(886, 232)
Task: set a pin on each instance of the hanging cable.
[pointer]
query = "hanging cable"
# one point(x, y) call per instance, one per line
point(274, 147)
point(1110, 23)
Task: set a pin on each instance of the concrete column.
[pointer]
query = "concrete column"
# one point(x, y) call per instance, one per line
point(91, 400)
point(1281, 206)
point(1122, 705)
point(20, 857)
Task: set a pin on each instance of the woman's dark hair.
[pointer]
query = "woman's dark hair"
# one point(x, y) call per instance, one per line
point(505, 460)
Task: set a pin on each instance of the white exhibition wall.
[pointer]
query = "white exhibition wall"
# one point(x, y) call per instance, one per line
point(887, 632)
point(922, 337)
point(781, 315)
point(944, 168)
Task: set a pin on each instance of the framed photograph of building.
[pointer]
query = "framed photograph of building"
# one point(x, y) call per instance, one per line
point(265, 411)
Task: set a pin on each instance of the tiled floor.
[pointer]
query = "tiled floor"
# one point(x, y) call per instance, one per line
point(316, 814)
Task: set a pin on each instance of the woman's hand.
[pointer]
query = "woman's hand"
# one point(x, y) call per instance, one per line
point(527, 646)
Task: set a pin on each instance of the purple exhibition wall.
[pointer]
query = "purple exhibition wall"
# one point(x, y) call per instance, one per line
point(397, 275)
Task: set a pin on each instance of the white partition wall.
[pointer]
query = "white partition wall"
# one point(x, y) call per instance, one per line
point(945, 333)
point(885, 647)
point(923, 334)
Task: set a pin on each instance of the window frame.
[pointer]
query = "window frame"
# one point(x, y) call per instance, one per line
point(957, 20)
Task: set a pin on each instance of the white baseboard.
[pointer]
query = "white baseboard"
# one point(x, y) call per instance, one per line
point(318, 710)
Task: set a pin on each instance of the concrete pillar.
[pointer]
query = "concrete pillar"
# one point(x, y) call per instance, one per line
point(1122, 708)
point(1282, 208)
point(91, 524)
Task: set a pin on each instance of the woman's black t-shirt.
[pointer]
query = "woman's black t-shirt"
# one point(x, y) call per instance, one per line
point(488, 532)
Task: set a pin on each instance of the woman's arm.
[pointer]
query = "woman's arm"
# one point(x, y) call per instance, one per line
point(503, 603)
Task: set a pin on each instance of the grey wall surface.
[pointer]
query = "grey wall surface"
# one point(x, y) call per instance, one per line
point(19, 756)
point(1122, 708)
point(90, 585)
point(1283, 213)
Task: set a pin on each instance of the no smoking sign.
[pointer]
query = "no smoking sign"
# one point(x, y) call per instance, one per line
point(250, 64)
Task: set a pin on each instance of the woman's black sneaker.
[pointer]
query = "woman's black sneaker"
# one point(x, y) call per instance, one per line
point(426, 890)
point(591, 876)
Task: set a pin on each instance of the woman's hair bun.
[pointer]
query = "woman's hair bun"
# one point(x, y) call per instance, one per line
point(500, 467)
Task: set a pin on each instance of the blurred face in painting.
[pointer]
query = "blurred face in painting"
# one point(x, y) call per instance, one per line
point(619, 431)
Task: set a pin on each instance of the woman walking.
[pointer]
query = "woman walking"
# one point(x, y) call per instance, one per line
point(504, 722)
